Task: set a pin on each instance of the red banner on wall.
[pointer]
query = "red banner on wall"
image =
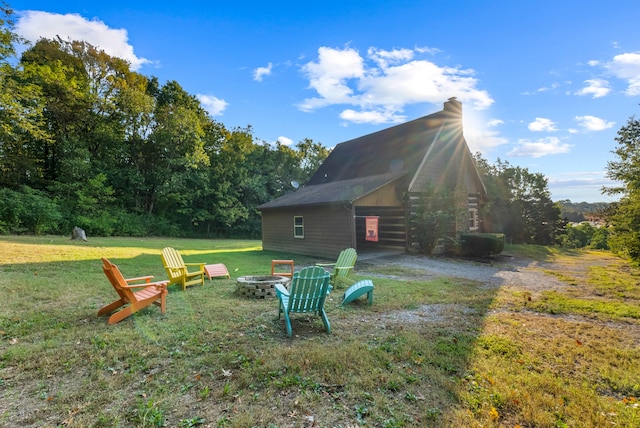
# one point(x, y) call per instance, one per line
point(371, 228)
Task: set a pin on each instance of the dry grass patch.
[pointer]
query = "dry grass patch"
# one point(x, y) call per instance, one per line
point(216, 359)
point(431, 351)
point(560, 358)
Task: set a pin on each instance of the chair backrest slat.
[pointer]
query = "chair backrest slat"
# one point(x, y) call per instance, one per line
point(173, 263)
point(117, 280)
point(308, 289)
point(346, 259)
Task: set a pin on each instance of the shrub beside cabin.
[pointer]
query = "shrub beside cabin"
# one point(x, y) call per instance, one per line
point(379, 176)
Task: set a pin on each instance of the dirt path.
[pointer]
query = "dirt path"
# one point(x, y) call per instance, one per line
point(506, 272)
point(502, 271)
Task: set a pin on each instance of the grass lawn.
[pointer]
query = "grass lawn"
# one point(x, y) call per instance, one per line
point(429, 352)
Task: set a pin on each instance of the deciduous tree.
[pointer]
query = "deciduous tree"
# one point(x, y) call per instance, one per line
point(520, 203)
point(624, 217)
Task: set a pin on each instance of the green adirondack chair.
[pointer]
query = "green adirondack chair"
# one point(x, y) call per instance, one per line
point(341, 268)
point(307, 293)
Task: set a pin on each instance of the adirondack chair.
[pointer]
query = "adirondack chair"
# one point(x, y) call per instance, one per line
point(307, 293)
point(177, 269)
point(148, 293)
point(345, 263)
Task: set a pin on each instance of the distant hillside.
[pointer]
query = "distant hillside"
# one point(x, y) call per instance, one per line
point(579, 211)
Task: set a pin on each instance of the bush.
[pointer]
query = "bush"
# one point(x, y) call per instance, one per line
point(28, 211)
point(436, 216)
point(600, 239)
point(481, 244)
point(135, 224)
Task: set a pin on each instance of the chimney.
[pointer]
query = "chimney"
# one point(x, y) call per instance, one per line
point(453, 106)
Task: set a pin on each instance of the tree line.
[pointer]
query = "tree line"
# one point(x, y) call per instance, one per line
point(85, 141)
point(623, 217)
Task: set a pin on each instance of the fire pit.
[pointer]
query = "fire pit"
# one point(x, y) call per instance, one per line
point(259, 287)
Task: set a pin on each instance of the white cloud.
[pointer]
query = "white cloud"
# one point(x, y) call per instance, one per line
point(593, 123)
point(627, 67)
point(580, 186)
point(597, 178)
point(380, 85)
point(482, 134)
point(329, 77)
point(214, 105)
point(33, 25)
point(482, 140)
point(597, 88)
point(383, 58)
point(551, 87)
point(285, 141)
point(542, 124)
point(539, 148)
point(426, 49)
point(260, 72)
point(374, 117)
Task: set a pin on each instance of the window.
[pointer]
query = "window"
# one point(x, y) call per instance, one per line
point(298, 227)
point(473, 219)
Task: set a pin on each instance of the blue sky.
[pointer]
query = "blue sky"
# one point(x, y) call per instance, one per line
point(544, 85)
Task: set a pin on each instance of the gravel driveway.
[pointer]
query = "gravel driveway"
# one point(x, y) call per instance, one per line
point(501, 271)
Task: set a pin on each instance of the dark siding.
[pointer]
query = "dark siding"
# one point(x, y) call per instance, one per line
point(391, 227)
point(327, 230)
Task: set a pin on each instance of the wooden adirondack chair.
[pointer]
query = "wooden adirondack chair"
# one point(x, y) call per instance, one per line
point(345, 264)
point(149, 293)
point(177, 269)
point(307, 293)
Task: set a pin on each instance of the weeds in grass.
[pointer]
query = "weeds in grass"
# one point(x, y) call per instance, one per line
point(192, 422)
point(563, 277)
point(562, 358)
point(204, 393)
point(148, 414)
point(554, 302)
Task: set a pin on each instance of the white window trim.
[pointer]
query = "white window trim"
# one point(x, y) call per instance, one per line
point(296, 227)
point(473, 215)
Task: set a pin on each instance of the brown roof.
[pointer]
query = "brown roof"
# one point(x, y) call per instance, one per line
point(333, 192)
point(399, 148)
point(357, 167)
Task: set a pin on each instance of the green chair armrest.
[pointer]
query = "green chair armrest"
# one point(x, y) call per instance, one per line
point(281, 289)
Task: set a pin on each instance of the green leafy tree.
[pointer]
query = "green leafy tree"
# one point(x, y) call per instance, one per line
point(234, 181)
point(437, 217)
point(311, 154)
point(95, 211)
point(625, 170)
point(176, 160)
point(578, 236)
point(600, 239)
point(21, 119)
point(624, 216)
point(63, 82)
point(26, 210)
point(624, 238)
point(520, 203)
point(117, 152)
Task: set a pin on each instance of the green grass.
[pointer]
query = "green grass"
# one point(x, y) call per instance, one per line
point(476, 356)
point(535, 252)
